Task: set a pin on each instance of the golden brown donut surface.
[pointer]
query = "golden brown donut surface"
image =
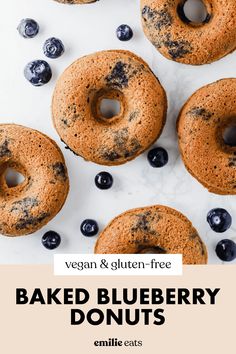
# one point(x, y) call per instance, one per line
point(187, 42)
point(31, 204)
point(201, 126)
point(154, 229)
point(114, 74)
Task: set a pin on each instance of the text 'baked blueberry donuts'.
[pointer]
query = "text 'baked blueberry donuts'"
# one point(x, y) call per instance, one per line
point(29, 205)
point(154, 229)
point(109, 75)
point(179, 39)
point(202, 127)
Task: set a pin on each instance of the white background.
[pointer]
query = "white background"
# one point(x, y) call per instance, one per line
point(85, 29)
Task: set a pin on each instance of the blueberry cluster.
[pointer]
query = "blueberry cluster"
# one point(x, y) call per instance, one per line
point(38, 72)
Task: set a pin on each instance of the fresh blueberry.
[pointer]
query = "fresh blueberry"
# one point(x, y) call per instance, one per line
point(28, 28)
point(51, 240)
point(38, 72)
point(226, 250)
point(104, 180)
point(219, 219)
point(124, 33)
point(158, 157)
point(89, 228)
point(53, 48)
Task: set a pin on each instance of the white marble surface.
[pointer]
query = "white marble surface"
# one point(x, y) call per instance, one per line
point(85, 29)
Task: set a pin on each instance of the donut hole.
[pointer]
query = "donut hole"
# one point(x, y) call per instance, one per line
point(193, 11)
point(152, 250)
point(108, 105)
point(13, 178)
point(109, 108)
point(229, 135)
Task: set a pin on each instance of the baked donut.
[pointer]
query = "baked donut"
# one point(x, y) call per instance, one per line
point(30, 205)
point(154, 229)
point(71, 2)
point(179, 39)
point(114, 74)
point(201, 126)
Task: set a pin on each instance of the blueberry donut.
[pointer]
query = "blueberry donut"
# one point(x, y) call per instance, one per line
point(154, 229)
point(179, 39)
point(71, 2)
point(201, 129)
point(28, 206)
point(118, 75)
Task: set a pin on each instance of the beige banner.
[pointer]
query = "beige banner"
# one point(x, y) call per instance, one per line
point(27, 329)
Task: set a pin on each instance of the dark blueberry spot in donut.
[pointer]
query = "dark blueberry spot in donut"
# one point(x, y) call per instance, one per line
point(226, 250)
point(25, 205)
point(121, 138)
point(118, 77)
point(177, 49)
point(133, 116)
point(200, 112)
point(135, 146)
point(51, 240)
point(60, 170)
point(147, 12)
point(159, 19)
point(143, 224)
point(110, 155)
point(4, 149)
point(163, 19)
point(31, 221)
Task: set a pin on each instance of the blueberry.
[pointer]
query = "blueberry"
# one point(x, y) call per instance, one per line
point(158, 157)
point(124, 33)
point(38, 72)
point(226, 250)
point(219, 219)
point(104, 180)
point(89, 228)
point(53, 48)
point(28, 28)
point(51, 240)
